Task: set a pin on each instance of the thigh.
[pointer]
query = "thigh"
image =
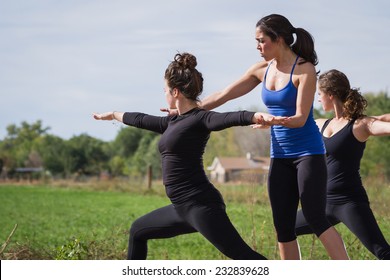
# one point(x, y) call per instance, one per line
point(212, 221)
point(283, 192)
point(164, 222)
point(359, 218)
point(312, 177)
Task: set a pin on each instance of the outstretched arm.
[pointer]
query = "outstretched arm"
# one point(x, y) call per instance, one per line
point(379, 126)
point(109, 116)
point(372, 126)
point(383, 118)
point(140, 120)
point(239, 88)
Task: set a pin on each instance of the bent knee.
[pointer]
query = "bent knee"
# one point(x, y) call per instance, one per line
point(136, 229)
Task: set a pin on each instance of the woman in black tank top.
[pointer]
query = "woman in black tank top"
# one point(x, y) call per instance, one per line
point(345, 138)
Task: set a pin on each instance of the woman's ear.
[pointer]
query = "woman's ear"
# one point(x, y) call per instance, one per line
point(175, 92)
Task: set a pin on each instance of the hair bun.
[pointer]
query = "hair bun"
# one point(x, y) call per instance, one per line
point(186, 60)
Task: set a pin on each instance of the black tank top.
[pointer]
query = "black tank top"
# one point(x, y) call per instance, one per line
point(344, 153)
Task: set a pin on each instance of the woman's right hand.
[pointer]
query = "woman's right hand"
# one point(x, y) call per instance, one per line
point(108, 116)
point(171, 112)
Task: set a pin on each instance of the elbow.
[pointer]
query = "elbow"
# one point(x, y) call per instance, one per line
point(300, 124)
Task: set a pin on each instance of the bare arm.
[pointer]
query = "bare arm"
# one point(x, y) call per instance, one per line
point(371, 126)
point(383, 118)
point(307, 80)
point(378, 127)
point(245, 84)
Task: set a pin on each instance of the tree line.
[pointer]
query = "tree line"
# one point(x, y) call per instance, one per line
point(134, 150)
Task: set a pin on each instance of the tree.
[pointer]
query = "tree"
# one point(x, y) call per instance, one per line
point(144, 155)
point(53, 152)
point(127, 141)
point(16, 150)
point(85, 155)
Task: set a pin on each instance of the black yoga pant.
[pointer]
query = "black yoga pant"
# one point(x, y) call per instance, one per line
point(291, 180)
point(360, 220)
point(209, 219)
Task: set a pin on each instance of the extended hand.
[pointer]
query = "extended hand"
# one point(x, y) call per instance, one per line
point(171, 112)
point(108, 116)
point(264, 120)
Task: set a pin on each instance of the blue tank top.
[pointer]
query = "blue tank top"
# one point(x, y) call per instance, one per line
point(290, 142)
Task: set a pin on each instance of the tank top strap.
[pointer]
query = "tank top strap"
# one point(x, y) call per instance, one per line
point(292, 70)
point(350, 124)
point(325, 125)
point(266, 71)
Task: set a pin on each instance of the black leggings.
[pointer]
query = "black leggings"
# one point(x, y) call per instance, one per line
point(358, 217)
point(208, 218)
point(291, 180)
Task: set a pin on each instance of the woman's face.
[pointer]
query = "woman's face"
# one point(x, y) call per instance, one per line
point(169, 96)
point(325, 100)
point(265, 45)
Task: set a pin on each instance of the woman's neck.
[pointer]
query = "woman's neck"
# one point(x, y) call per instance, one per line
point(285, 58)
point(185, 106)
point(338, 110)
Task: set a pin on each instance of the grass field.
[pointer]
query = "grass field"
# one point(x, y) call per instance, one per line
point(84, 223)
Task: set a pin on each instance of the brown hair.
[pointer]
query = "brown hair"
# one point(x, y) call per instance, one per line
point(183, 75)
point(336, 83)
point(276, 26)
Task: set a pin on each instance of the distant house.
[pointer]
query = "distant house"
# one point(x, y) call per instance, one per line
point(239, 169)
point(29, 172)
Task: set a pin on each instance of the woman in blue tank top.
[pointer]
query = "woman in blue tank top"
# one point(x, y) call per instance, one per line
point(298, 170)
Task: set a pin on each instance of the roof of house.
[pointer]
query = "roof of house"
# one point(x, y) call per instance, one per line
point(238, 163)
point(28, 169)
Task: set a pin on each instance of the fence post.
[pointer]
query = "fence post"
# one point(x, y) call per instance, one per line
point(149, 176)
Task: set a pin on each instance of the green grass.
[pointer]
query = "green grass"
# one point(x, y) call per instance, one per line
point(82, 223)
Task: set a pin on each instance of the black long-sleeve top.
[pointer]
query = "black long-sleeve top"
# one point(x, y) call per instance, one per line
point(182, 144)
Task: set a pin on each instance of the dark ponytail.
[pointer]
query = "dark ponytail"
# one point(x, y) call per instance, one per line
point(276, 26)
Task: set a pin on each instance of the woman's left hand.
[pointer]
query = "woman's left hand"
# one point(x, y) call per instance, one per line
point(264, 120)
point(108, 116)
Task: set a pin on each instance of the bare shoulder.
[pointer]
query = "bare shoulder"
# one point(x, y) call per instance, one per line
point(361, 128)
point(258, 69)
point(304, 67)
point(305, 74)
point(364, 122)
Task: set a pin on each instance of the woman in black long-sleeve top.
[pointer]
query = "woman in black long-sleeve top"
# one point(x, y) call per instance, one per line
point(197, 206)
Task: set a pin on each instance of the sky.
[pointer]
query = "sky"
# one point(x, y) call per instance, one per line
point(60, 61)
